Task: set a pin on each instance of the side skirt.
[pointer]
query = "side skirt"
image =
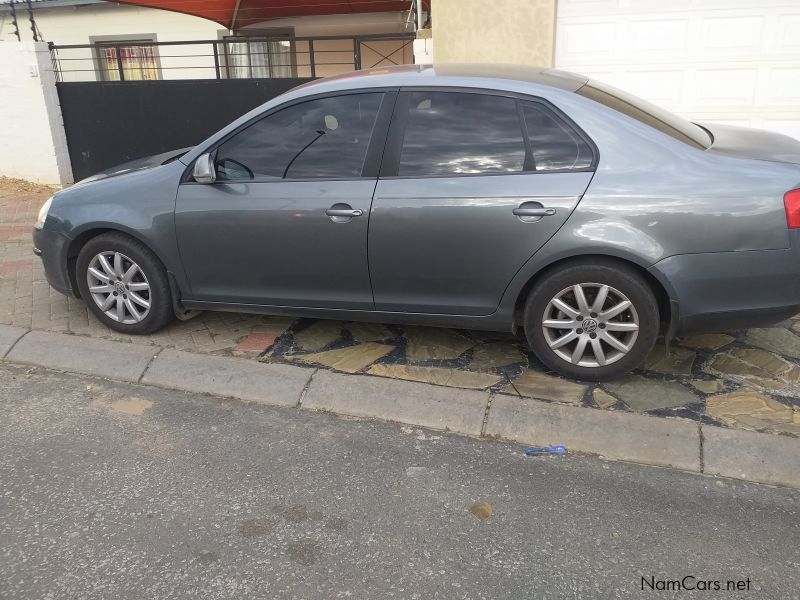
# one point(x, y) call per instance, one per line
point(498, 321)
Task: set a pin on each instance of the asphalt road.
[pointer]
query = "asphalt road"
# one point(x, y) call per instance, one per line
point(123, 491)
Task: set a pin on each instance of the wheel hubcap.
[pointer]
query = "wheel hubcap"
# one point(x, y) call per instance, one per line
point(119, 287)
point(590, 324)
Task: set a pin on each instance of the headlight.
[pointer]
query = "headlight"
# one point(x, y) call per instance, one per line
point(43, 213)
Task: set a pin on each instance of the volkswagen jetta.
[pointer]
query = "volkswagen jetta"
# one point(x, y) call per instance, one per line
point(461, 196)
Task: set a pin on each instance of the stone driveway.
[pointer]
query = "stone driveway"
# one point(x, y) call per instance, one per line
point(742, 379)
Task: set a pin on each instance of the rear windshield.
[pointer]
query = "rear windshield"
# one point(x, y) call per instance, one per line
point(649, 114)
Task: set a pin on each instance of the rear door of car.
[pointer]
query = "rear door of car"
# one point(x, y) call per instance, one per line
point(473, 183)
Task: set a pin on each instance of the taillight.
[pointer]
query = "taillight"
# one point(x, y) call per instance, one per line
point(792, 203)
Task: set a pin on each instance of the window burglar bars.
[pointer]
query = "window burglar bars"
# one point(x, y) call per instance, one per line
point(233, 57)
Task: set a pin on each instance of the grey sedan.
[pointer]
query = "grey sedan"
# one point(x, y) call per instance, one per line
point(462, 196)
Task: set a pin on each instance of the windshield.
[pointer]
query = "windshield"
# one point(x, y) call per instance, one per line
point(649, 114)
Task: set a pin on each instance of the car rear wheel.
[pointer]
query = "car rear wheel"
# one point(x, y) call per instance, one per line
point(592, 321)
point(124, 284)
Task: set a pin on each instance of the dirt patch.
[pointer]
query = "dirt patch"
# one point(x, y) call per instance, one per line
point(255, 527)
point(481, 510)
point(21, 186)
point(127, 406)
point(305, 552)
point(297, 513)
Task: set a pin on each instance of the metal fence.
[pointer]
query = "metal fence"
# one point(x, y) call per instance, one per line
point(233, 57)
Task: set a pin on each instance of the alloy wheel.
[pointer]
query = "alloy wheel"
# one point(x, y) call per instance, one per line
point(119, 287)
point(590, 324)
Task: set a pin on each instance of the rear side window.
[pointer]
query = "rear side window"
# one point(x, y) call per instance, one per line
point(461, 133)
point(555, 145)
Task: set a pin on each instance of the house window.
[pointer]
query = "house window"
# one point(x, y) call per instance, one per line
point(138, 62)
point(260, 54)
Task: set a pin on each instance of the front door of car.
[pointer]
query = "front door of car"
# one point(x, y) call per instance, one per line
point(285, 222)
point(472, 185)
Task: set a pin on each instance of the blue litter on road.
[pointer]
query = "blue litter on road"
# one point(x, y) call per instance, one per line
point(534, 450)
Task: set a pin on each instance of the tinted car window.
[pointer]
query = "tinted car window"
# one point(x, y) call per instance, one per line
point(554, 144)
point(325, 138)
point(649, 114)
point(453, 133)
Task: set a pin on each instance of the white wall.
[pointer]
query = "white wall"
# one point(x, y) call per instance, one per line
point(80, 24)
point(32, 141)
point(728, 61)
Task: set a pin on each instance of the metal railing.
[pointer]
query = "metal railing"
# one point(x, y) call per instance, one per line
point(234, 57)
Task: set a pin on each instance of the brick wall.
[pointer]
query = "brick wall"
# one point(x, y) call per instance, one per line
point(33, 145)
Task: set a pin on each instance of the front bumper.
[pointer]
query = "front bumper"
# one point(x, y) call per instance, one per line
point(720, 291)
point(53, 249)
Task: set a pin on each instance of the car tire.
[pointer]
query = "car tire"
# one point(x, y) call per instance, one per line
point(571, 325)
point(130, 292)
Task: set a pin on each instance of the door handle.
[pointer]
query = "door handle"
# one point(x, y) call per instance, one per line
point(534, 212)
point(344, 212)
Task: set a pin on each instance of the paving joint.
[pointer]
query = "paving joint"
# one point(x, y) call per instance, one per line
point(150, 362)
point(702, 450)
point(304, 391)
point(14, 343)
point(486, 413)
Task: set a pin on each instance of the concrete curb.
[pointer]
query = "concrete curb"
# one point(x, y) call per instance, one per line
point(431, 406)
point(622, 436)
point(223, 376)
point(676, 443)
point(115, 360)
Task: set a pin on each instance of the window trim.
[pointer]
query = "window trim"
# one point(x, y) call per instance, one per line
point(394, 144)
point(100, 42)
point(375, 147)
point(268, 34)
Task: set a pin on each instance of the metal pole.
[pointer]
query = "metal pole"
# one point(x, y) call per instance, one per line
point(55, 61)
point(419, 14)
point(216, 60)
point(311, 58)
point(118, 52)
point(356, 54)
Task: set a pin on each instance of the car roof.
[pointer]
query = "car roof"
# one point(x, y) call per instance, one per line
point(448, 74)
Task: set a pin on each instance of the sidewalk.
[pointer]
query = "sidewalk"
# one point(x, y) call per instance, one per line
point(746, 380)
point(669, 442)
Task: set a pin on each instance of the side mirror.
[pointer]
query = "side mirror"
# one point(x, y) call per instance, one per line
point(204, 169)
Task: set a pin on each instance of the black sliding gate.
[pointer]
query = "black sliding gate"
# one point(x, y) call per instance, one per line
point(110, 123)
point(125, 100)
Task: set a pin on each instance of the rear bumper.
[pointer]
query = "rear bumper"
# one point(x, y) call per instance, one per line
point(53, 249)
point(732, 290)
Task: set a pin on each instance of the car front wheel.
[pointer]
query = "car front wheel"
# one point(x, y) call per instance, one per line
point(124, 284)
point(592, 321)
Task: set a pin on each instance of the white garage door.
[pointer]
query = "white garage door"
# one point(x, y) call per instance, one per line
point(728, 61)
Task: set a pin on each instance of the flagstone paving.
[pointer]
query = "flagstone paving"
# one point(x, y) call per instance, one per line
point(676, 360)
point(350, 359)
point(534, 384)
point(437, 375)
point(642, 394)
point(603, 399)
point(741, 379)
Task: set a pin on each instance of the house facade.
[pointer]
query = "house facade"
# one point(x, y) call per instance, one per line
point(275, 48)
point(727, 61)
point(718, 61)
